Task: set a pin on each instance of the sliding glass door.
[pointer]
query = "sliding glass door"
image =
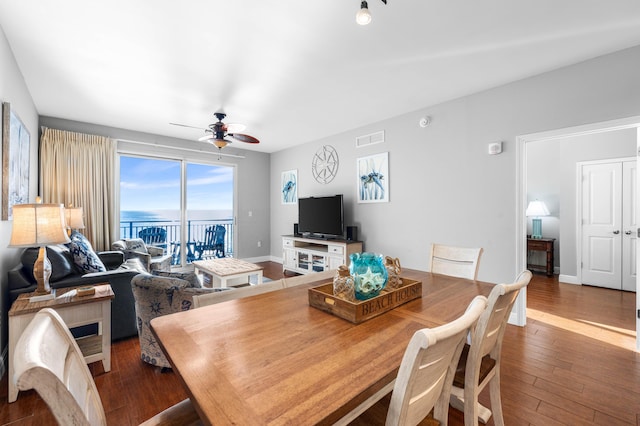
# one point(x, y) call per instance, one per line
point(177, 205)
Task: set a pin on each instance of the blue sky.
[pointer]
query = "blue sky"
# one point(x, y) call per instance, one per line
point(153, 184)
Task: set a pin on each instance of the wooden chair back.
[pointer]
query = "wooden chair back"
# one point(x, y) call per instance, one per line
point(459, 262)
point(426, 372)
point(235, 293)
point(48, 359)
point(480, 361)
point(307, 278)
point(153, 236)
point(213, 244)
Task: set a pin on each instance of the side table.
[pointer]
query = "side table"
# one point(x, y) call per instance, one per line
point(75, 311)
point(541, 244)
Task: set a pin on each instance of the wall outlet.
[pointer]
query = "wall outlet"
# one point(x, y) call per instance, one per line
point(259, 243)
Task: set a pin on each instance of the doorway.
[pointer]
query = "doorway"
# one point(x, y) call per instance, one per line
point(519, 314)
point(607, 223)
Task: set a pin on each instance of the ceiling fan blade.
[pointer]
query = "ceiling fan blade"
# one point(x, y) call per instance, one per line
point(186, 125)
point(244, 138)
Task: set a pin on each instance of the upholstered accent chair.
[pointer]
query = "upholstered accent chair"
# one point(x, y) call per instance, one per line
point(153, 258)
point(161, 294)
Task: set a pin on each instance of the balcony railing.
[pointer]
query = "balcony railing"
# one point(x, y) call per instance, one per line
point(195, 235)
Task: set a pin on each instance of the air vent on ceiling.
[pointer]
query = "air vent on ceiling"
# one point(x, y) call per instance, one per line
point(370, 139)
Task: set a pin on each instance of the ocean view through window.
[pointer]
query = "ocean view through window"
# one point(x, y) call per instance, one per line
point(150, 204)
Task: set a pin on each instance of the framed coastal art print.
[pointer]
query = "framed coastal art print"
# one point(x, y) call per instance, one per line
point(15, 161)
point(289, 187)
point(373, 178)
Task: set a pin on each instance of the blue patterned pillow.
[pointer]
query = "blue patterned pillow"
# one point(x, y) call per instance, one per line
point(83, 255)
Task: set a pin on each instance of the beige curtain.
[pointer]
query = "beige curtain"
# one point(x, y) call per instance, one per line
point(80, 169)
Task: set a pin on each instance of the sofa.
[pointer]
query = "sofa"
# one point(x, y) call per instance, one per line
point(152, 257)
point(66, 273)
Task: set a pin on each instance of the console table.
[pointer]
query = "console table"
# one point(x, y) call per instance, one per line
point(306, 255)
point(75, 311)
point(541, 244)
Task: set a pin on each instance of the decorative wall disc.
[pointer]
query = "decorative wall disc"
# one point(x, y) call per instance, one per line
point(324, 165)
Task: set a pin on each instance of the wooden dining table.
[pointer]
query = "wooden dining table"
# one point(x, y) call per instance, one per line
point(271, 359)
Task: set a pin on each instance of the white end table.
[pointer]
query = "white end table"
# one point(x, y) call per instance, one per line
point(75, 311)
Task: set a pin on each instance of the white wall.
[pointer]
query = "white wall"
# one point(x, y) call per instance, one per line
point(551, 177)
point(444, 186)
point(14, 90)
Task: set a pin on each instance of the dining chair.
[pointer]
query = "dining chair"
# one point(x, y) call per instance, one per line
point(426, 371)
point(479, 363)
point(48, 360)
point(235, 293)
point(459, 262)
point(421, 390)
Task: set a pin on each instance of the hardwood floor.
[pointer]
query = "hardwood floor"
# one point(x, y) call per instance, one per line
point(573, 364)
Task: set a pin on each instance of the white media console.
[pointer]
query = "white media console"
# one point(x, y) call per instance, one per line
point(306, 255)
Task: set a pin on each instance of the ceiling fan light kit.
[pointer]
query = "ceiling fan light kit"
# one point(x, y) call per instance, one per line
point(217, 132)
point(363, 17)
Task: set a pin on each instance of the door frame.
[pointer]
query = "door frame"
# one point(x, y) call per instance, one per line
point(579, 187)
point(519, 315)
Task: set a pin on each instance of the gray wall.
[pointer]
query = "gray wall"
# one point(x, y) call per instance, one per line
point(551, 177)
point(14, 90)
point(444, 187)
point(252, 189)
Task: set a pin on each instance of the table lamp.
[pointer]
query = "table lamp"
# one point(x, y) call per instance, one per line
point(537, 208)
point(73, 218)
point(39, 225)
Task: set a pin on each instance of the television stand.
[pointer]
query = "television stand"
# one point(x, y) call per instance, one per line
point(306, 255)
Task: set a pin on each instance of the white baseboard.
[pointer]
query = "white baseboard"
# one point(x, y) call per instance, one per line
point(568, 279)
point(257, 259)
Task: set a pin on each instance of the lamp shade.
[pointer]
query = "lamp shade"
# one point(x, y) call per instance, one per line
point(537, 208)
point(38, 225)
point(74, 217)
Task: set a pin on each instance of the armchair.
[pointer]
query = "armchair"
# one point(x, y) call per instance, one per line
point(153, 258)
point(162, 294)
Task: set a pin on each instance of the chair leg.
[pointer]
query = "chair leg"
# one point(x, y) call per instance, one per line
point(496, 400)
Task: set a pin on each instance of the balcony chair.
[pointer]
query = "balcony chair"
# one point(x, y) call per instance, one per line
point(479, 363)
point(421, 390)
point(48, 360)
point(154, 236)
point(455, 261)
point(213, 245)
point(153, 258)
point(162, 294)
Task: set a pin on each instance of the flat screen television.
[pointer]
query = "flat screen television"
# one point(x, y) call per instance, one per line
point(321, 217)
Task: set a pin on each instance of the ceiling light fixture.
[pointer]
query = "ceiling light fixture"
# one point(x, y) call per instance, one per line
point(363, 17)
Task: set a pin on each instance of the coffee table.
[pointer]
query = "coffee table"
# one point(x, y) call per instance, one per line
point(224, 269)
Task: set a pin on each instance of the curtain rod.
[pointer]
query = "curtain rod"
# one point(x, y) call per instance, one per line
point(219, 154)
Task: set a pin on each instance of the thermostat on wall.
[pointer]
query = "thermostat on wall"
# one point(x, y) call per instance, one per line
point(495, 148)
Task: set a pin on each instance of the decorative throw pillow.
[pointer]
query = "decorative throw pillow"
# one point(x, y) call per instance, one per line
point(136, 244)
point(83, 255)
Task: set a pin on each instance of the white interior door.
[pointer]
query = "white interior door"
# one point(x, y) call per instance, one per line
point(629, 224)
point(609, 224)
point(602, 224)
